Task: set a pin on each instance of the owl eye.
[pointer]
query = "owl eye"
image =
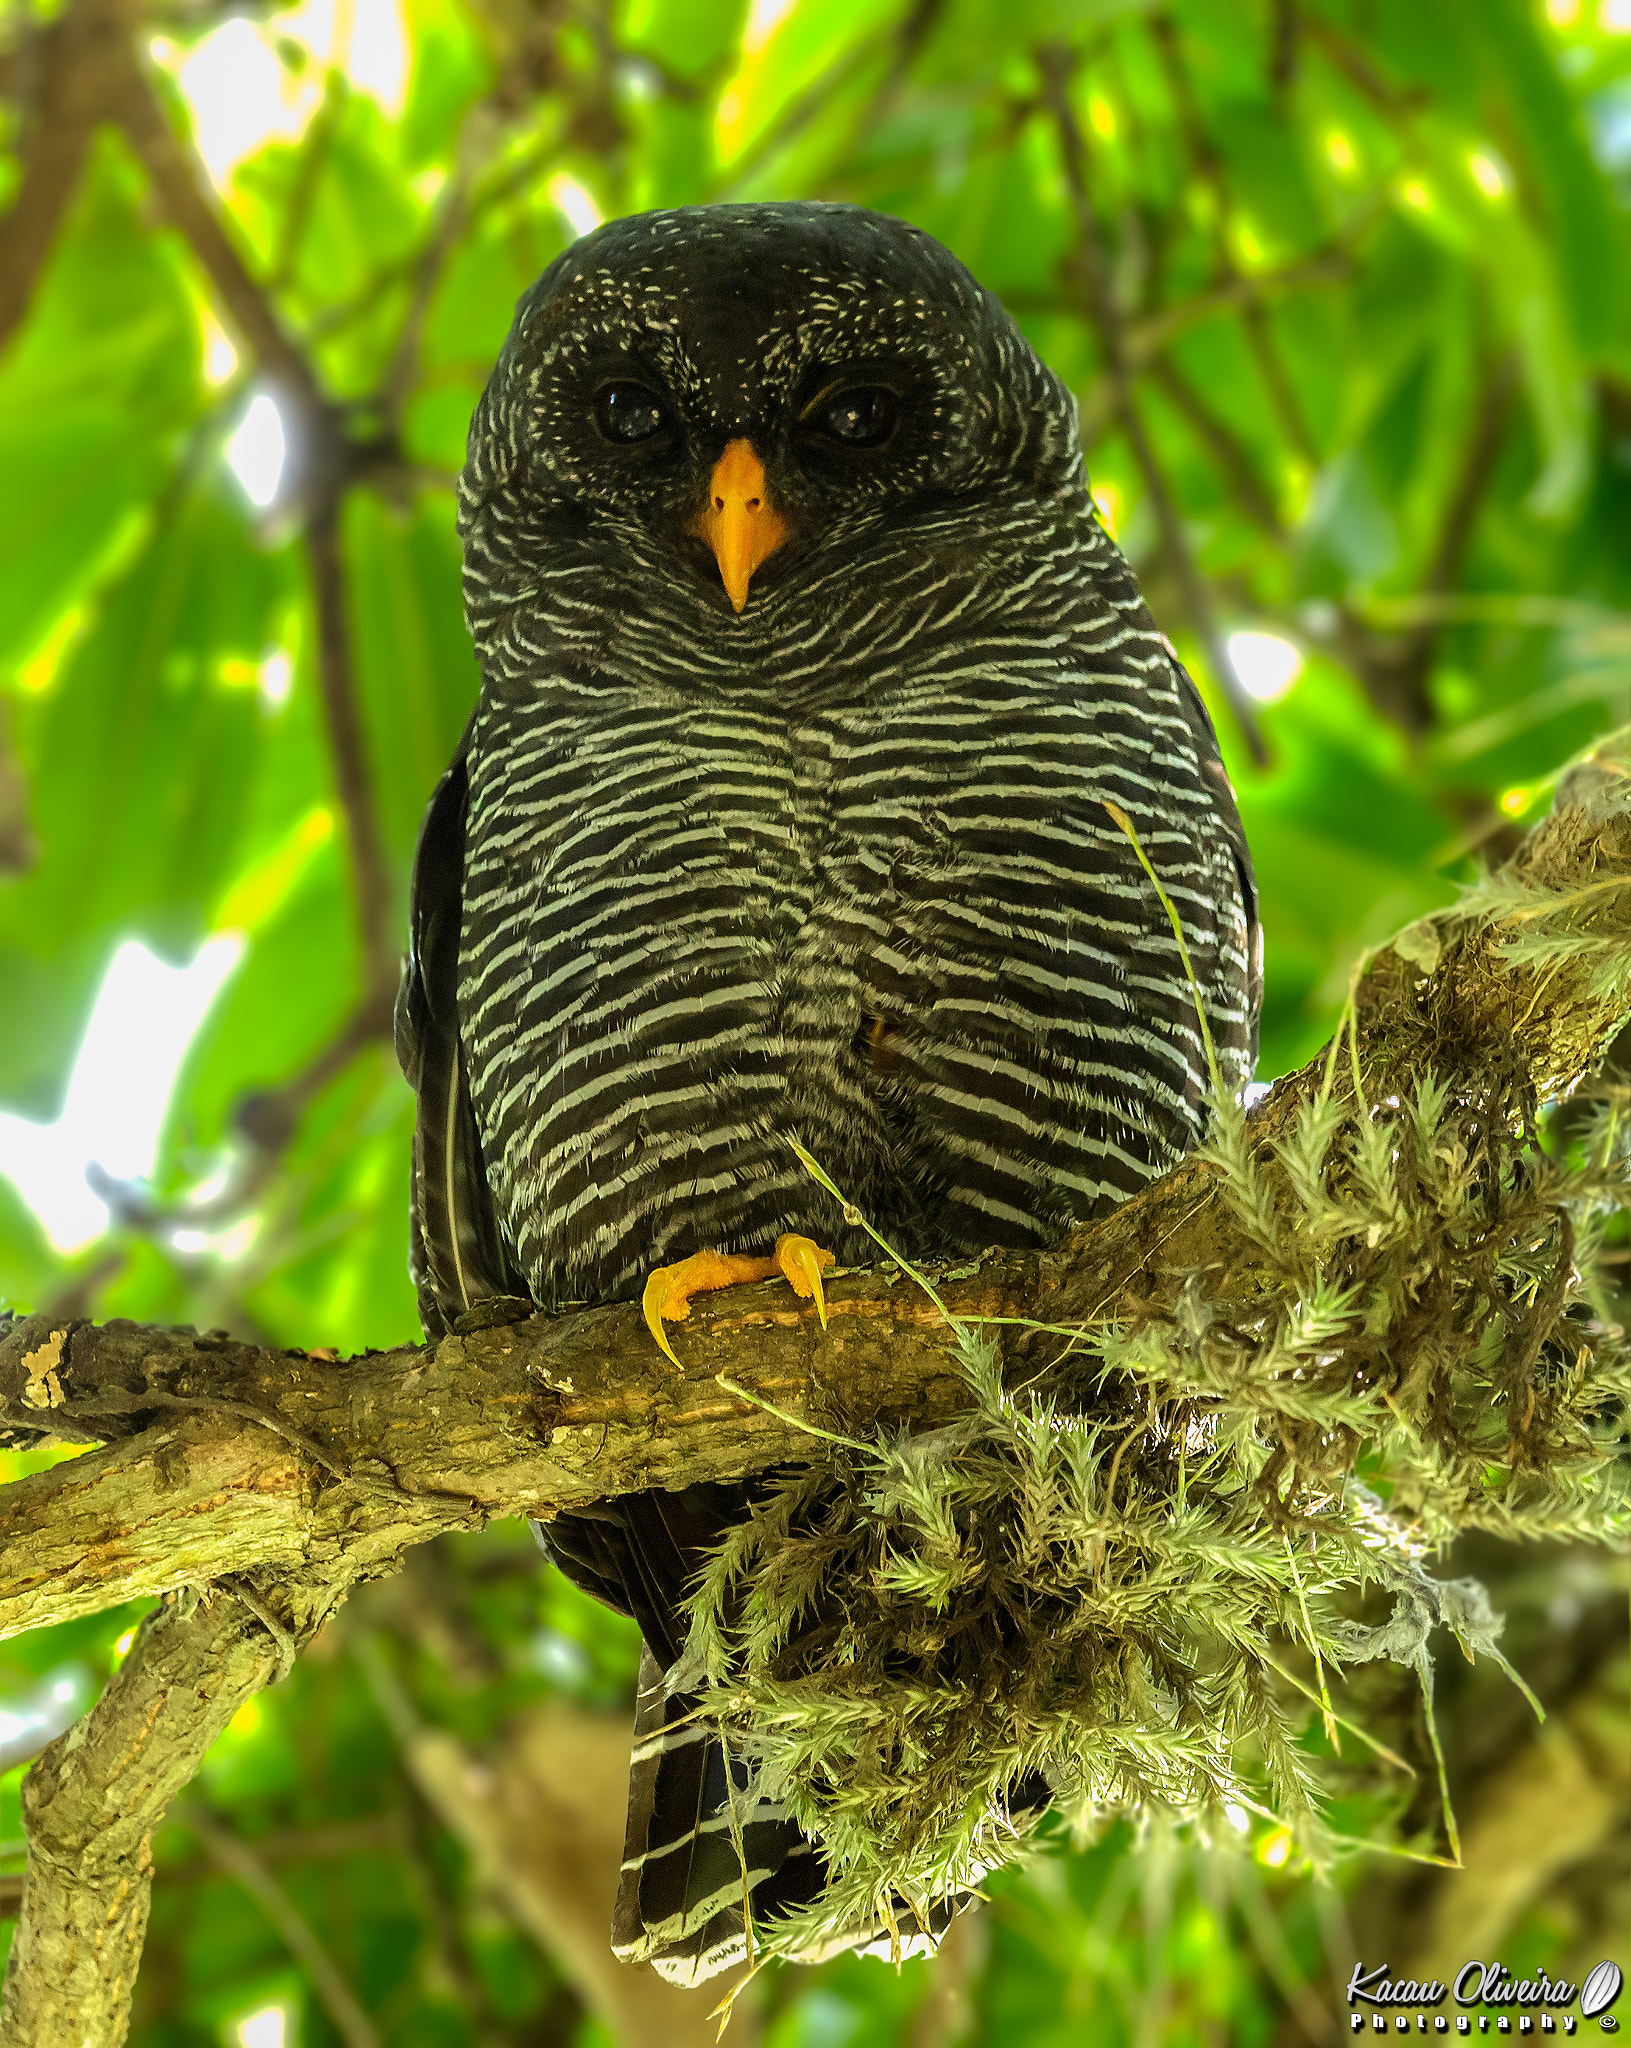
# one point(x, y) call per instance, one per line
point(862, 417)
point(629, 412)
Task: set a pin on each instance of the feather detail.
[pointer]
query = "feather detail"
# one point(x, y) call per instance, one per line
point(698, 1844)
point(688, 1860)
point(459, 1257)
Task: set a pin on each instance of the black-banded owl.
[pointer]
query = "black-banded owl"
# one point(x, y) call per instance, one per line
point(807, 677)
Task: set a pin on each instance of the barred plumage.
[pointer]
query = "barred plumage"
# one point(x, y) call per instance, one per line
point(838, 868)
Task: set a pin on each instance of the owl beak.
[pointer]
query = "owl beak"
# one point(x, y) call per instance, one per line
point(737, 522)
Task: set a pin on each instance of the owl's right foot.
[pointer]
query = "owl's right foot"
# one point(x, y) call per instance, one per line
point(667, 1296)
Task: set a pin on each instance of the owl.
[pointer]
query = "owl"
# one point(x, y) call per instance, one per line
point(809, 678)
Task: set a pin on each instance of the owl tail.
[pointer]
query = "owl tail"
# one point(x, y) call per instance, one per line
point(698, 1844)
point(702, 1852)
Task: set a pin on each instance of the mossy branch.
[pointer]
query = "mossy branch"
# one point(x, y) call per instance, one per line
point(1364, 1320)
point(1377, 1264)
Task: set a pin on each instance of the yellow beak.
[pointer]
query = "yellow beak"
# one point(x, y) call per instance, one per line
point(736, 522)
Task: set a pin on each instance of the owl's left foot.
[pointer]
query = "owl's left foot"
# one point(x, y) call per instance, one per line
point(667, 1297)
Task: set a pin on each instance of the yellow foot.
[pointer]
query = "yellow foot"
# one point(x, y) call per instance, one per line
point(801, 1262)
point(667, 1296)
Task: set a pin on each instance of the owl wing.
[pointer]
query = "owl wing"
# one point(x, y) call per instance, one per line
point(457, 1254)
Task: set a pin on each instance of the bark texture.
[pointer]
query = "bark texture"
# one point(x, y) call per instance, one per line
point(93, 1799)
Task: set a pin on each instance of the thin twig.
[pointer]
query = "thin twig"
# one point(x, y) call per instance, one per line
point(377, 1834)
point(1055, 64)
point(1224, 447)
point(1424, 1672)
point(452, 218)
point(521, 173)
point(1277, 381)
point(781, 1414)
point(1323, 1703)
point(268, 1119)
point(1327, 1711)
point(809, 105)
point(211, 1404)
point(372, 886)
point(1352, 60)
point(1126, 824)
point(315, 148)
point(1395, 669)
point(245, 1868)
point(240, 1589)
point(1207, 160)
point(178, 182)
point(18, 846)
point(1149, 333)
point(902, 43)
point(77, 60)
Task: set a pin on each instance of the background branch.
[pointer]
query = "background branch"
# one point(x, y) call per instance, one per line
point(178, 180)
point(1056, 64)
point(76, 62)
point(373, 887)
point(542, 1819)
point(241, 1863)
point(1222, 444)
point(92, 1801)
point(1395, 667)
point(324, 461)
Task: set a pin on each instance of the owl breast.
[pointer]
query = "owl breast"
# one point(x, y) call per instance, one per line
point(855, 885)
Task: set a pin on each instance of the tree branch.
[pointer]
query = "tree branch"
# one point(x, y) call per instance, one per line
point(177, 180)
point(1147, 335)
point(92, 1801)
point(78, 60)
point(324, 461)
point(346, 1464)
point(296, 1476)
point(355, 1462)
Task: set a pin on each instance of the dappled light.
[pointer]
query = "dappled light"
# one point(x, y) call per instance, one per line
point(1341, 297)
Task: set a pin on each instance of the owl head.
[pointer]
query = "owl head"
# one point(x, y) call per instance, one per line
point(729, 392)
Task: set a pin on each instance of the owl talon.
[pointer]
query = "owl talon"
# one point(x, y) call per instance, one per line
point(667, 1294)
point(655, 1303)
point(800, 1260)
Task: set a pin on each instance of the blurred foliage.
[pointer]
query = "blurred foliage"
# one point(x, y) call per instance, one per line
point(1367, 264)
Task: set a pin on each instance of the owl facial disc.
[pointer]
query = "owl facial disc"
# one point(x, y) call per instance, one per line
point(737, 522)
